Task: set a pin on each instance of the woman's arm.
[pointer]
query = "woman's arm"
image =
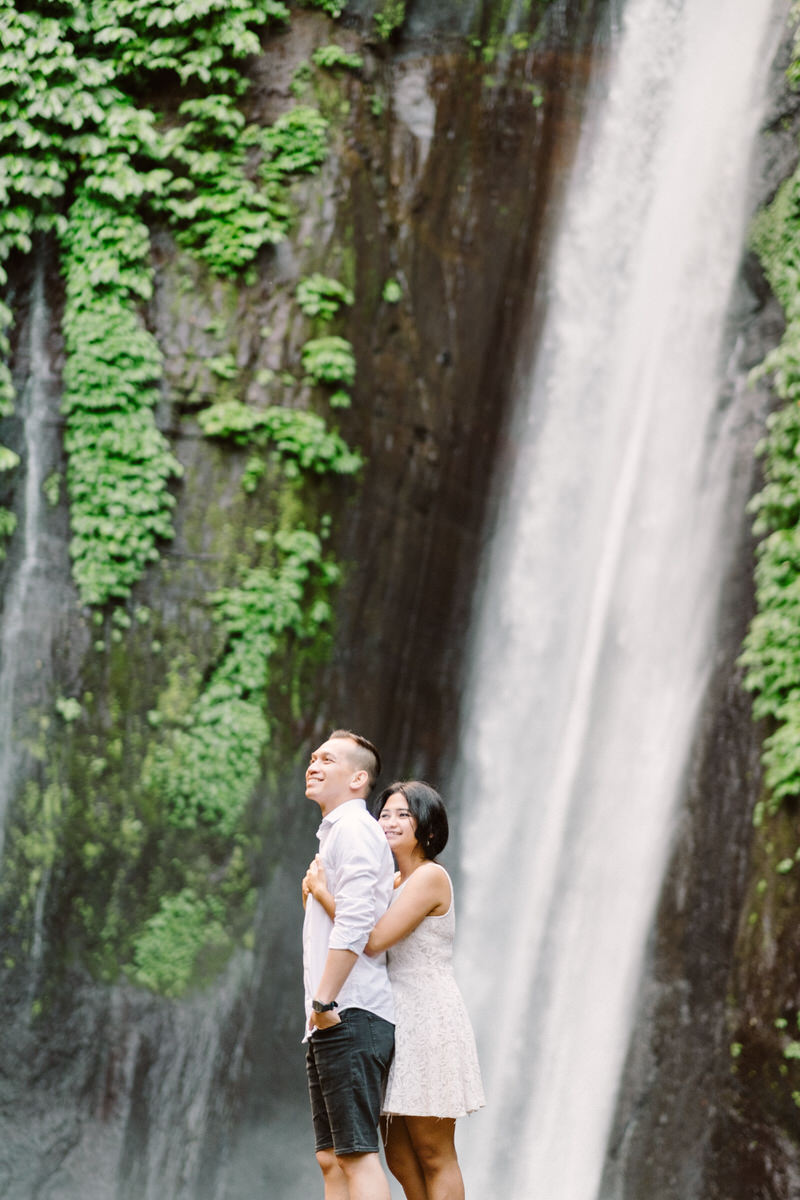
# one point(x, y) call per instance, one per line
point(316, 885)
point(426, 893)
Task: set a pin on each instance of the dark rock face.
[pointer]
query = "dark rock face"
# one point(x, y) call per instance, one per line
point(705, 1110)
point(463, 218)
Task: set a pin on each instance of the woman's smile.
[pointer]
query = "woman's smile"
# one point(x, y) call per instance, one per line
point(398, 824)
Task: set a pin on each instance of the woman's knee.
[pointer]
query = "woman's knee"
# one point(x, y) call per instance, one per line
point(433, 1142)
point(396, 1144)
point(397, 1156)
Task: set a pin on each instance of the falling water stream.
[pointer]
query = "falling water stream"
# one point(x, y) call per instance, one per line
point(30, 595)
point(593, 639)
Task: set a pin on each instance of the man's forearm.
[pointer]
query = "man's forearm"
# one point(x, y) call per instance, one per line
point(338, 966)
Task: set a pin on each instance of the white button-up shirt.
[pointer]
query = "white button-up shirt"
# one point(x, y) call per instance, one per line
point(360, 874)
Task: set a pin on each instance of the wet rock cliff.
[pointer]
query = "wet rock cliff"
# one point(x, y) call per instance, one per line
point(151, 941)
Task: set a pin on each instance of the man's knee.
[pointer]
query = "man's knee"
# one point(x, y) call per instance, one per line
point(354, 1164)
point(328, 1162)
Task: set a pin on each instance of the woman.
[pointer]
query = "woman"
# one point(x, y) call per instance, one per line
point(434, 1076)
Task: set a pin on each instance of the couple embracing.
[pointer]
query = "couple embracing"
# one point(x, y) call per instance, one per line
point(391, 1046)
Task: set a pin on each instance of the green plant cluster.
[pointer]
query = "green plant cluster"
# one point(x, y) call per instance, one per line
point(771, 654)
point(334, 8)
point(8, 523)
point(336, 58)
point(320, 296)
point(186, 928)
point(296, 144)
point(329, 360)
point(74, 78)
point(196, 40)
point(218, 212)
point(300, 438)
point(390, 18)
point(207, 766)
point(392, 292)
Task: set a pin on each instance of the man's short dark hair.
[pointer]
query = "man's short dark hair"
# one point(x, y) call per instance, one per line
point(427, 807)
point(367, 756)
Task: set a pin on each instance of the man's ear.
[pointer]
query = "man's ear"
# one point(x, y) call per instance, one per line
point(359, 780)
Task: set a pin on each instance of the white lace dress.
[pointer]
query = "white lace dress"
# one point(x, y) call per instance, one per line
point(435, 1070)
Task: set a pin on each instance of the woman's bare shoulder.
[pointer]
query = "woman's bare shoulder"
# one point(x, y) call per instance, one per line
point(431, 879)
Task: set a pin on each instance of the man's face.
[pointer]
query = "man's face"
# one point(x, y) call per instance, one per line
point(330, 772)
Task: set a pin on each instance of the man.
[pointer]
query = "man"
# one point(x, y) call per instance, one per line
point(349, 1008)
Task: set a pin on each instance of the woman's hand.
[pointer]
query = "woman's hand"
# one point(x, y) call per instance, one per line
point(305, 889)
point(315, 884)
point(315, 880)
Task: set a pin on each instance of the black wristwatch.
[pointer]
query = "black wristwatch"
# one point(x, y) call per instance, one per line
point(318, 1006)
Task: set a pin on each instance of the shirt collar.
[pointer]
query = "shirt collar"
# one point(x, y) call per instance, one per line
point(340, 811)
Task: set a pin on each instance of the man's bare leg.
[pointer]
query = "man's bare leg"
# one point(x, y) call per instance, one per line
point(333, 1176)
point(365, 1177)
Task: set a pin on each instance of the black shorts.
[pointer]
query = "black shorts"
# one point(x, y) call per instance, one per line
point(347, 1067)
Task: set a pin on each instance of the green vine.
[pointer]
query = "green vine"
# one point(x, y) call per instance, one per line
point(74, 119)
point(119, 463)
point(207, 768)
point(771, 654)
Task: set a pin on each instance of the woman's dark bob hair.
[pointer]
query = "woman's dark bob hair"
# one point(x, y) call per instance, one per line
point(426, 805)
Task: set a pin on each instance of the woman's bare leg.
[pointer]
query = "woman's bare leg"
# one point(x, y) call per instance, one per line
point(401, 1158)
point(433, 1140)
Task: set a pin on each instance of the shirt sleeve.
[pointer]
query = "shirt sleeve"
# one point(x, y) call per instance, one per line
point(357, 870)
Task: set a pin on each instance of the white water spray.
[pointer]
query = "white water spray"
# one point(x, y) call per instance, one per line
point(592, 647)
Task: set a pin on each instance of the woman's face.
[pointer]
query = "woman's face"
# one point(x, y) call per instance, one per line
point(398, 824)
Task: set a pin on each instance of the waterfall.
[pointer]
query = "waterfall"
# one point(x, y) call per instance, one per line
point(593, 635)
point(35, 591)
